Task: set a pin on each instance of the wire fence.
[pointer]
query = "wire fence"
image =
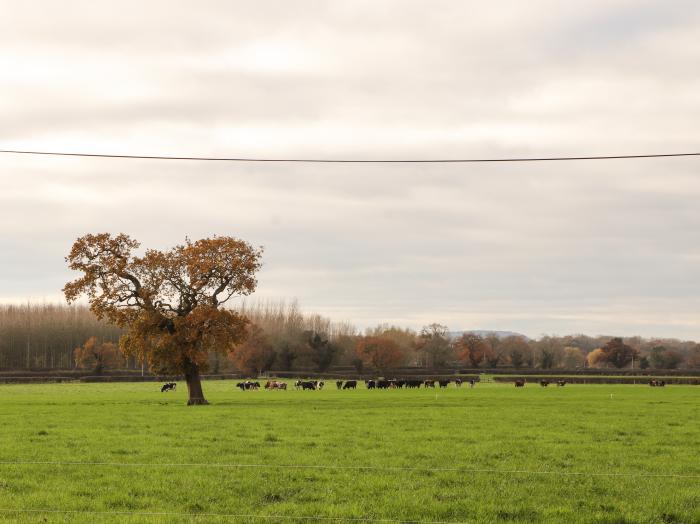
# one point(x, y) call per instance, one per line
point(307, 518)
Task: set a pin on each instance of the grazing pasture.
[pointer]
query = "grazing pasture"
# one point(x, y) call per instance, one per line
point(494, 453)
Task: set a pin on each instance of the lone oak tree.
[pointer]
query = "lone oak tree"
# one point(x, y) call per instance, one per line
point(167, 300)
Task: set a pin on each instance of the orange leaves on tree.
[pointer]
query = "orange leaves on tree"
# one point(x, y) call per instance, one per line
point(473, 348)
point(168, 300)
point(255, 355)
point(97, 356)
point(379, 353)
point(614, 352)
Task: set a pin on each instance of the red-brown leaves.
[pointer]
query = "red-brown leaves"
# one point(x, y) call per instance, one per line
point(168, 300)
point(473, 348)
point(255, 355)
point(614, 352)
point(379, 353)
point(97, 356)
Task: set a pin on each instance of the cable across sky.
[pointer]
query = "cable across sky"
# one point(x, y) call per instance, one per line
point(353, 161)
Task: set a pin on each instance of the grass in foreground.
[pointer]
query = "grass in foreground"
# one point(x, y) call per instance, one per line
point(489, 454)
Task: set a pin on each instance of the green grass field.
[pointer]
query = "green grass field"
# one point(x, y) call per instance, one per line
point(127, 453)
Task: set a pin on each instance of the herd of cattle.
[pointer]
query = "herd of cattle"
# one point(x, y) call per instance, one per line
point(379, 384)
point(270, 384)
point(520, 383)
point(352, 384)
point(657, 383)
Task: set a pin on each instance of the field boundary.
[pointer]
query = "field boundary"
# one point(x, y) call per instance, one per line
point(492, 377)
point(583, 379)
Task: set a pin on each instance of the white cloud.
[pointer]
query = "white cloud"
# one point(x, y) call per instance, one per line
point(595, 247)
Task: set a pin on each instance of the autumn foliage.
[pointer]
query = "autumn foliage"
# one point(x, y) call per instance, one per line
point(255, 355)
point(596, 358)
point(618, 353)
point(168, 301)
point(379, 353)
point(615, 353)
point(97, 356)
point(472, 348)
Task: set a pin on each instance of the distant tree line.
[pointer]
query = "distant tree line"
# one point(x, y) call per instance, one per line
point(283, 338)
point(45, 336)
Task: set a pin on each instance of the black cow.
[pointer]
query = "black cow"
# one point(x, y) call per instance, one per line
point(458, 382)
point(371, 384)
point(520, 383)
point(309, 384)
point(350, 384)
point(383, 384)
point(339, 384)
point(544, 383)
point(429, 383)
point(443, 383)
point(561, 383)
point(243, 386)
point(414, 384)
point(472, 383)
point(170, 386)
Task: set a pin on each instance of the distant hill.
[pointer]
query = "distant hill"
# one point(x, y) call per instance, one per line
point(487, 332)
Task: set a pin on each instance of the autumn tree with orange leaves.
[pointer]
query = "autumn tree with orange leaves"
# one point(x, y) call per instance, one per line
point(617, 353)
point(97, 355)
point(255, 355)
point(168, 301)
point(473, 348)
point(379, 353)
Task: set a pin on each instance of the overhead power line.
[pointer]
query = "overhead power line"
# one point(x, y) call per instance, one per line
point(354, 161)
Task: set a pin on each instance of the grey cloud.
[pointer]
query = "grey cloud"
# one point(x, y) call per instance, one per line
point(595, 247)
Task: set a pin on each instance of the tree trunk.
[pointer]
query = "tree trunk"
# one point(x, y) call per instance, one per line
point(194, 386)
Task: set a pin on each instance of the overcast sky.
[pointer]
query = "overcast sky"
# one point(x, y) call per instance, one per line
point(595, 247)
